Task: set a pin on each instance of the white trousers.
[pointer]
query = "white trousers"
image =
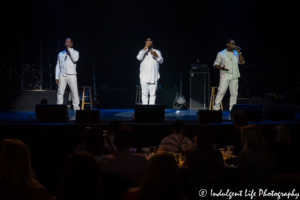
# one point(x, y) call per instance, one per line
point(72, 82)
point(148, 88)
point(225, 81)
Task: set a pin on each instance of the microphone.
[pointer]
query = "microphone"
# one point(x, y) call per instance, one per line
point(238, 48)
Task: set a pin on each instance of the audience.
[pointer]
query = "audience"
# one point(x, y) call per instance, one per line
point(176, 139)
point(256, 161)
point(16, 175)
point(81, 178)
point(283, 136)
point(204, 161)
point(239, 120)
point(281, 152)
point(161, 180)
point(44, 101)
point(123, 162)
point(109, 138)
point(266, 159)
point(95, 143)
point(82, 145)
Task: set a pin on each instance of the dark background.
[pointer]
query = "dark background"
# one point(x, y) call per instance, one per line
point(111, 33)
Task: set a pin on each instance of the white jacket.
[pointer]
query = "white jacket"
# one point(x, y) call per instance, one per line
point(68, 65)
point(149, 68)
point(223, 58)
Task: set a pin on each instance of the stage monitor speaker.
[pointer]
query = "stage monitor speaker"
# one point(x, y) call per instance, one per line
point(254, 112)
point(149, 113)
point(199, 90)
point(87, 116)
point(280, 111)
point(209, 116)
point(51, 113)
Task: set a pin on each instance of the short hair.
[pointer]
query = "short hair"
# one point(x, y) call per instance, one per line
point(206, 136)
point(44, 101)
point(81, 178)
point(228, 41)
point(95, 141)
point(177, 125)
point(123, 137)
point(113, 126)
point(240, 117)
point(268, 131)
point(72, 41)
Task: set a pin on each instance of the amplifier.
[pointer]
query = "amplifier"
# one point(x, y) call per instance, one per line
point(199, 68)
point(199, 90)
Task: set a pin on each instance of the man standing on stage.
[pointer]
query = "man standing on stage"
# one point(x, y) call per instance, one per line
point(149, 71)
point(227, 62)
point(65, 73)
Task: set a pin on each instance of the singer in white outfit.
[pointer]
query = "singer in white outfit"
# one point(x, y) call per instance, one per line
point(230, 57)
point(65, 73)
point(149, 71)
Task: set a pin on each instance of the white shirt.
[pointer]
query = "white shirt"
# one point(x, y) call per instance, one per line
point(66, 65)
point(230, 60)
point(149, 68)
point(111, 140)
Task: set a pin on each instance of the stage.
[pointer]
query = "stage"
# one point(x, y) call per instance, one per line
point(127, 116)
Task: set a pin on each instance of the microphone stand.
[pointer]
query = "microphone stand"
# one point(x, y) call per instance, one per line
point(94, 80)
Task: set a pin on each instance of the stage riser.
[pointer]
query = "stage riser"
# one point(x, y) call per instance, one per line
point(110, 98)
point(28, 99)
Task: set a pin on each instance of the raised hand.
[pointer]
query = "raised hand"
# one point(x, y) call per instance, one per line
point(146, 47)
point(238, 49)
point(153, 53)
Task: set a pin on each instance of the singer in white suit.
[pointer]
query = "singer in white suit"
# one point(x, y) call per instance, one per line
point(65, 73)
point(230, 57)
point(149, 71)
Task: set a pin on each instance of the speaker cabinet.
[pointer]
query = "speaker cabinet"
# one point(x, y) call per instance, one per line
point(209, 116)
point(87, 116)
point(199, 90)
point(254, 112)
point(280, 111)
point(149, 113)
point(51, 113)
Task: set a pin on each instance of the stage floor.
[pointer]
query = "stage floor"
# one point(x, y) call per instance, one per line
point(126, 115)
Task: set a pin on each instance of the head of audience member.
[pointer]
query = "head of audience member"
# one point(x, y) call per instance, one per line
point(161, 179)
point(206, 136)
point(177, 127)
point(16, 174)
point(239, 119)
point(81, 178)
point(251, 137)
point(113, 126)
point(95, 141)
point(268, 132)
point(44, 101)
point(283, 135)
point(123, 138)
